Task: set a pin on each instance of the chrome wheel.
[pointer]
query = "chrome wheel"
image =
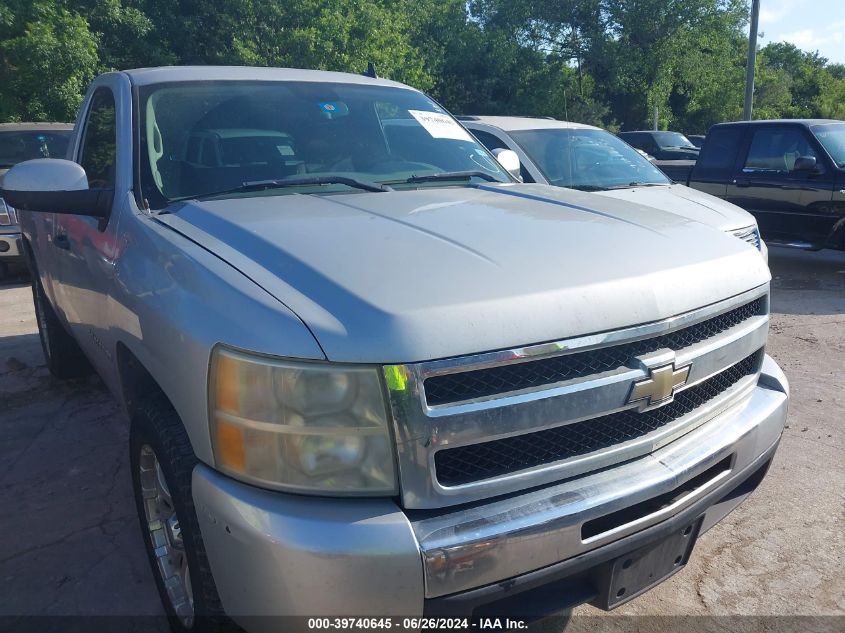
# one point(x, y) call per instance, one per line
point(166, 536)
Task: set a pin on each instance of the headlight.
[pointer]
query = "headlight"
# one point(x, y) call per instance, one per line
point(300, 426)
point(7, 214)
point(750, 234)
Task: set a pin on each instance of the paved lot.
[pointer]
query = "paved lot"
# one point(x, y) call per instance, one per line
point(71, 544)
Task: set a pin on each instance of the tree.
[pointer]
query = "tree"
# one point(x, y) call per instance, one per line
point(338, 35)
point(48, 55)
point(677, 55)
point(605, 62)
point(633, 55)
point(804, 84)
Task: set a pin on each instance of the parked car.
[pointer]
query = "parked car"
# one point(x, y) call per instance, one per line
point(661, 144)
point(20, 142)
point(646, 155)
point(788, 174)
point(399, 383)
point(588, 158)
point(696, 139)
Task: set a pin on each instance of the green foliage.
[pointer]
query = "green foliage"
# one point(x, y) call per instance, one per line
point(605, 62)
point(48, 55)
point(797, 84)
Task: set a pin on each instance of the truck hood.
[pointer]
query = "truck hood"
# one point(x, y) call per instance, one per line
point(692, 204)
point(436, 272)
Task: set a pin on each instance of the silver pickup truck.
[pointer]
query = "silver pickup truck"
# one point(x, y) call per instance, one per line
point(368, 373)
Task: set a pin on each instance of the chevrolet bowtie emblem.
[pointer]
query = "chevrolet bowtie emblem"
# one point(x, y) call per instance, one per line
point(659, 388)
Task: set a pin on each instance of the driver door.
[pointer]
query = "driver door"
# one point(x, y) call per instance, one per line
point(84, 247)
point(789, 205)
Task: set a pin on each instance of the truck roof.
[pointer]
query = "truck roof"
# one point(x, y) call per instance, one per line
point(648, 132)
point(34, 127)
point(164, 74)
point(513, 123)
point(803, 122)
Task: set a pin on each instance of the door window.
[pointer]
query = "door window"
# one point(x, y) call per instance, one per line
point(719, 153)
point(99, 142)
point(777, 149)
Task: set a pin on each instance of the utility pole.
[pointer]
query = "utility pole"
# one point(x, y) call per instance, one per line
point(752, 60)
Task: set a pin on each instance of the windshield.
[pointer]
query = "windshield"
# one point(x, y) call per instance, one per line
point(212, 138)
point(21, 145)
point(672, 139)
point(587, 159)
point(833, 138)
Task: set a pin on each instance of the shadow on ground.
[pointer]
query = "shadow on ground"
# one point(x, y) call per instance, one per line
point(71, 543)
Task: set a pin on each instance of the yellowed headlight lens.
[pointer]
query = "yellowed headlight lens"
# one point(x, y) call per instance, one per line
point(311, 427)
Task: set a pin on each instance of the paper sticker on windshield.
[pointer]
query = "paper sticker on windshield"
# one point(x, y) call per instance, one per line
point(333, 109)
point(440, 125)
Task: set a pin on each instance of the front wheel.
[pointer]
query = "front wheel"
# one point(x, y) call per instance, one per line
point(162, 463)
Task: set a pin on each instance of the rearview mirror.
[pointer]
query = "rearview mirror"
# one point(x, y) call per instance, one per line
point(509, 160)
point(805, 163)
point(52, 185)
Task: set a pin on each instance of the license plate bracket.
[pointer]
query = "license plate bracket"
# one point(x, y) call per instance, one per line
point(632, 574)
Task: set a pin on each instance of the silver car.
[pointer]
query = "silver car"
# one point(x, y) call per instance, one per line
point(588, 158)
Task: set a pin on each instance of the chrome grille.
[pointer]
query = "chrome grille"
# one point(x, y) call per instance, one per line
point(549, 422)
point(481, 383)
point(467, 464)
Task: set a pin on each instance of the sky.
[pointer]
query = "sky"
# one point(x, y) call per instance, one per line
point(809, 24)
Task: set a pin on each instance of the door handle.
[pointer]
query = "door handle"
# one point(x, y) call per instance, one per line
point(60, 240)
point(742, 183)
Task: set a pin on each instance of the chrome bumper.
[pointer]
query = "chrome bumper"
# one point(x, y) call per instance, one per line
point(278, 554)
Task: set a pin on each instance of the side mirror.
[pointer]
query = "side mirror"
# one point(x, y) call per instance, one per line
point(52, 185)
point(805, 163)
point(509, 160)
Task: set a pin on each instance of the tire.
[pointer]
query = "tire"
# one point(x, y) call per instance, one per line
point(160, 453)
point(61, 352)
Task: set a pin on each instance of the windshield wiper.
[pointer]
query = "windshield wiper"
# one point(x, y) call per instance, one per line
point(615, 187)
point(262, 185)
point(585, 187)
point(637, 184)
point(449, 175)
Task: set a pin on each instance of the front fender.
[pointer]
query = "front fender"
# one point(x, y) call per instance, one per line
point(174, 301)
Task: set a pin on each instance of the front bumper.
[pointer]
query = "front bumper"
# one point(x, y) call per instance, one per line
point(279, 554)
point(10, 245)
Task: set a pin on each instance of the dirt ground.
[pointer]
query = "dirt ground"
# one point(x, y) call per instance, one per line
point(71, 544)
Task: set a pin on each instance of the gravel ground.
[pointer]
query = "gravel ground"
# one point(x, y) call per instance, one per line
point(71, 543)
